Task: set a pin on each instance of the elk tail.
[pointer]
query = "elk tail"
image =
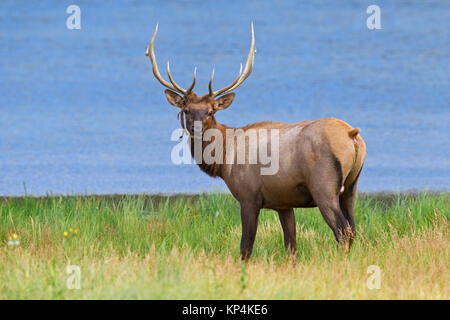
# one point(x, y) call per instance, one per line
point(353, 133)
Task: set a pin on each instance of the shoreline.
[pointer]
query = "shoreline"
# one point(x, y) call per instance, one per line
point(383, 197)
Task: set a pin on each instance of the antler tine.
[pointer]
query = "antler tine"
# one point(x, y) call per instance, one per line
point(193, 82)
point(211, 93)
point(177, 87)
point(151, 54)
point(218, 92)
point(248, 64)
point(242, 75)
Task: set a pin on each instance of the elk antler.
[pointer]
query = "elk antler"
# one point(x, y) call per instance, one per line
point(149, 51)
point(242, 74)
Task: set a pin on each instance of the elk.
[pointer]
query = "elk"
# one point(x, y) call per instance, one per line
point(319, 161)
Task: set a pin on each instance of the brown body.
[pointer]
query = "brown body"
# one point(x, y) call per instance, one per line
point(319, 164)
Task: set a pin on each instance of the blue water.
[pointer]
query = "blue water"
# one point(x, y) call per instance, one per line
point(80, 111)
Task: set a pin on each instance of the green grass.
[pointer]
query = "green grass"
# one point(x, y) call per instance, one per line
point(187, 247)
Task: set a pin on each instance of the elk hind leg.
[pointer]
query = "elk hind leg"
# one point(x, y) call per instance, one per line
point(325, 189)
point(347, 202)
point(335, 219)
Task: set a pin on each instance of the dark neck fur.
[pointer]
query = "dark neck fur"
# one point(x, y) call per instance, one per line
point(215, 169)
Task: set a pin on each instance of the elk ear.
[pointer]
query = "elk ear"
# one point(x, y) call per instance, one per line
point(173, 98)
point(224, 102)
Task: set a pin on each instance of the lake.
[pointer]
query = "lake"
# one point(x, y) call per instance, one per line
point(81, 113)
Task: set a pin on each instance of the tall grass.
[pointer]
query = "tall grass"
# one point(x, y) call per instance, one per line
point(187, 247)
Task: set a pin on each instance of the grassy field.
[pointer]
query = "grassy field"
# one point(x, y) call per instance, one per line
point(187, 247)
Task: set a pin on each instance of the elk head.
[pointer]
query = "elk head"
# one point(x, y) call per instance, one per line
point(196, 108)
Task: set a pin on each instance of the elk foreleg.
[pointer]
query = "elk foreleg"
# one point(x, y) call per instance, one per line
point(287, 219)
point(249, 217)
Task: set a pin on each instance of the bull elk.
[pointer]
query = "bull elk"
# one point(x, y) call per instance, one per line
point(319, 161)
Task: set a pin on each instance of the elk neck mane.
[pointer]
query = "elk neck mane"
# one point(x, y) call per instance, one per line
point(214, 169)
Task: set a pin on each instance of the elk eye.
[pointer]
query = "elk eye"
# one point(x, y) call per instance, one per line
point(185, 112)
